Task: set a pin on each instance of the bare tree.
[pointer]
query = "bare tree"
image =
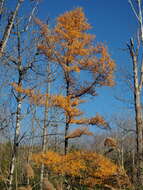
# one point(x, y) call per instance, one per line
point(21, 66)
point(135, 53)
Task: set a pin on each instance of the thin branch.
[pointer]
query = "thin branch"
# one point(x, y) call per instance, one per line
point(133, 8)
point(30, 17)
point(12, 59)
point(123, 100)
point(22, 137)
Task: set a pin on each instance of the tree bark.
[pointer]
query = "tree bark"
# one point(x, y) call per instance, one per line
point(66, 139)
point(138, 114)
point(67, 117)
point(16, 143)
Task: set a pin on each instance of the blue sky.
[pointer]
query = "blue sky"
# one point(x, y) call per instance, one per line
point(113, 23)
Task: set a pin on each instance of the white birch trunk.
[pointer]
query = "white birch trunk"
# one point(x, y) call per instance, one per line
point(18, 114)
point(16, 143)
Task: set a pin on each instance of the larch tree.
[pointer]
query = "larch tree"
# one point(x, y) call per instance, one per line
point(83, 64)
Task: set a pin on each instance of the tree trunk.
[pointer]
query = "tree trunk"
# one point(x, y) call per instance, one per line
point(138, 117)
point(44, 136)
point(43, 147)
point(139, 130)
point(66, 139)
point(18, 116)
point(67, 117)
point(134, 177)
point(9, 28)
point(137, 89)
point(16, 143)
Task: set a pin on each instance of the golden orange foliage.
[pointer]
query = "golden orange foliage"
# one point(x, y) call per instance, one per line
point(90, 168)
point(72, 47)
point(67, 103)
point(97, 120)
point(64, 102)
point(79, 132)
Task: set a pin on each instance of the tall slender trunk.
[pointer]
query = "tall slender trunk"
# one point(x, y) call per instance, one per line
point(139, 130)
point(9, 28)
point(31, 144)
point(137, 89)
point(44, 136)
point(16, 142)
point(66, 139)
point(18, 116)
point(138, 113)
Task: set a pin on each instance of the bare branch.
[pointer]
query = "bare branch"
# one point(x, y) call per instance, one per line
point(30, 17)
point(133, 8)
